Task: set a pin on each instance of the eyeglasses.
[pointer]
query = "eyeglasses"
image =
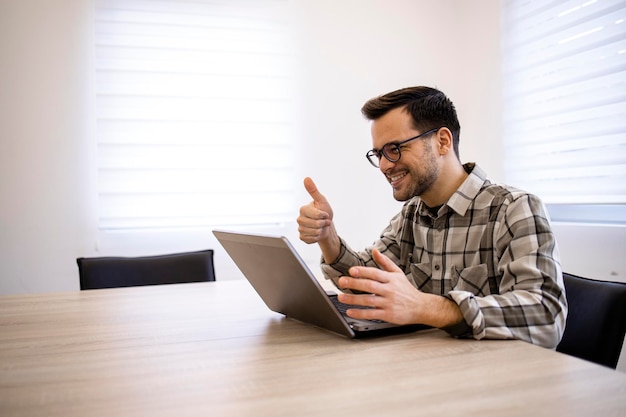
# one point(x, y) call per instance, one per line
point(391, 151)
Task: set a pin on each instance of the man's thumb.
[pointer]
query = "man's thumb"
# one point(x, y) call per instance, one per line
point(311, 188)
point(384, 262)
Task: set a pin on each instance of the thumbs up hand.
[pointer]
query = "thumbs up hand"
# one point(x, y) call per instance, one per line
point(316, 218)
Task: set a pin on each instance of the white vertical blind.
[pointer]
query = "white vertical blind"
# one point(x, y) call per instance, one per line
point(565, 99)
point(193, 113)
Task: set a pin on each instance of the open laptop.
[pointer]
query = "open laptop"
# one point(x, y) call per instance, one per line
point(287, 286)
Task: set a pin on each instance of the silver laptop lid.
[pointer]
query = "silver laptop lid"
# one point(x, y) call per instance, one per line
point(282, 279)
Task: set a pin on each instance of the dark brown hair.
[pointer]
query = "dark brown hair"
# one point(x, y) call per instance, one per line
point(429, 108)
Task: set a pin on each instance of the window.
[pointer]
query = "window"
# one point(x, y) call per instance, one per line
point(193, 113)
point(565, 105)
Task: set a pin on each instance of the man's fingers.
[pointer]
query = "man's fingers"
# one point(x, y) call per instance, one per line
point(311, 215)
point(366, 285)
point(375, 274)
point(367, 300)
point(311, 230)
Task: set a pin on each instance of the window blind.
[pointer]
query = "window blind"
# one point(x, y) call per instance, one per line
point(564, 78)
point(193, 113)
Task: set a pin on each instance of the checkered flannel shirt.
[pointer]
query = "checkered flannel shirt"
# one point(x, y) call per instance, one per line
point(490, 249)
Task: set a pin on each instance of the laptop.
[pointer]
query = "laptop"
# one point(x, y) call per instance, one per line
point(287, 286)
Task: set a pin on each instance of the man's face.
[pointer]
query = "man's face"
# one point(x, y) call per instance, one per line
point(417, 169)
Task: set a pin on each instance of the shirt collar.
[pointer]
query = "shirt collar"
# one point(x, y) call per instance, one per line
point(465, 194)
point(469, 189)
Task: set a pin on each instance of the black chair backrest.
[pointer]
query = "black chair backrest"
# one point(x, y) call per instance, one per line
point(111, 272)
point(596, 320)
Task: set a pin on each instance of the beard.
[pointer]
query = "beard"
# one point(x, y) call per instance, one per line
point(421, 178)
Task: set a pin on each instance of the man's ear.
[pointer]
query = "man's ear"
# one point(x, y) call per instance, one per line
point(444, 141)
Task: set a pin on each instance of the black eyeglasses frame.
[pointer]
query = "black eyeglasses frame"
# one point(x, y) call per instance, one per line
point(374, 155)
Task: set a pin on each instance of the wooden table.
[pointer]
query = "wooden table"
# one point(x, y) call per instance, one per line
point(214, 349)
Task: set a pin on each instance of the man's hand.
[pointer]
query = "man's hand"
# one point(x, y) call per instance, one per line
point(394, 298)
point(315, 223)
point(315, 218)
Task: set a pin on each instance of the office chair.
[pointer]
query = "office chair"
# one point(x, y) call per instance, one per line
point(596, 321)
point(111, 272)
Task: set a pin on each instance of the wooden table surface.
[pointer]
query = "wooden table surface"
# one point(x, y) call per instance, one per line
point(214, 349)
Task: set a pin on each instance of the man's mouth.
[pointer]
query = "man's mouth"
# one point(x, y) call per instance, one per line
point(396, 178)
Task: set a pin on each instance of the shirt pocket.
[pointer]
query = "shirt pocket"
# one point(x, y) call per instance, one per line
point(473, 279)
point(421, 277)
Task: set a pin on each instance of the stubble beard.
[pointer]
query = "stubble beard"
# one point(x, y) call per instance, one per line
point(420, 181)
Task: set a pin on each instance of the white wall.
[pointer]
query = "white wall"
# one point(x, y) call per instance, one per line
point(348, 58)
point(347, 52)
point(44, 134)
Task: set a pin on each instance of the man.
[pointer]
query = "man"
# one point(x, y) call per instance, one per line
point(465, 255)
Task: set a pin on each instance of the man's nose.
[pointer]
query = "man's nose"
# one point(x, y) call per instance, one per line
point(384, 164)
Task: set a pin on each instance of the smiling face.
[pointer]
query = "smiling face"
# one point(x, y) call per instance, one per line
point(418, 168)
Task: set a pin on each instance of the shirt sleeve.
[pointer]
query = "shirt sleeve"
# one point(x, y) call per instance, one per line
point(531, 303)
point(386, 244)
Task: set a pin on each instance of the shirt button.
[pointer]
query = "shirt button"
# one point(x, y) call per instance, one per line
point(437, 267)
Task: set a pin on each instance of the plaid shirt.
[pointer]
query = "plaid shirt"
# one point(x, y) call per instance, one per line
point(490, 249)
